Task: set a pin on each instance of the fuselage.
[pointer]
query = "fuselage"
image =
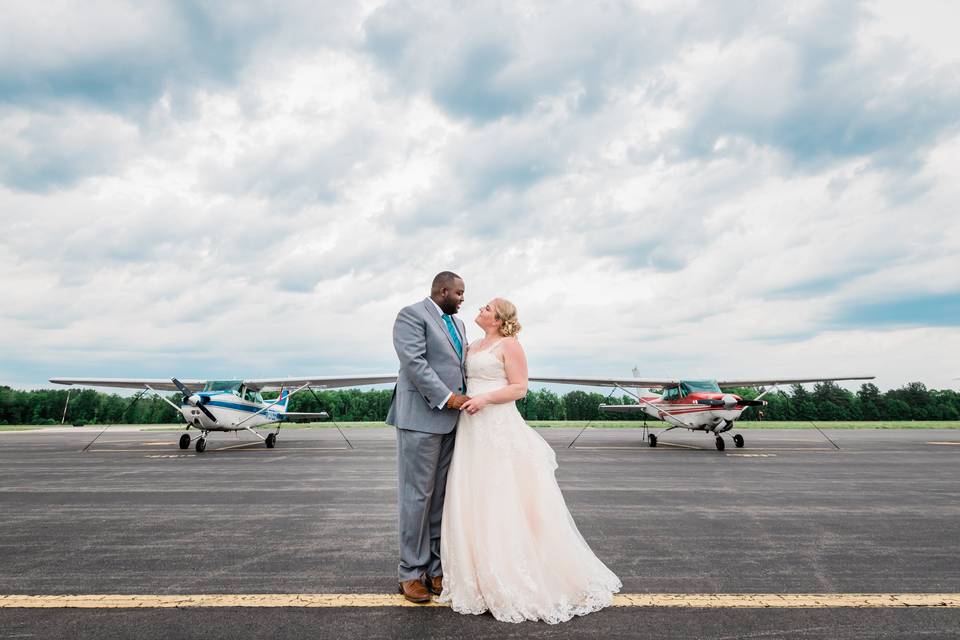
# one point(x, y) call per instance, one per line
point(232, 404)
point(692, 414)
point(695, 404)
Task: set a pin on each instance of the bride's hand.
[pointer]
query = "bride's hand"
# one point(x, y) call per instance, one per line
point(474, 404)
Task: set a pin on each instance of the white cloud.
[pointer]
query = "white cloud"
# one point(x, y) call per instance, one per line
point(628, 176)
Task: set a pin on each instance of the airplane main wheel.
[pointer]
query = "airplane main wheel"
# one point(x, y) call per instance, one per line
point(271, 440)
point(201, 445)
point(652, 439)
point(720, 444)
point(738, 441)
point(185, 441)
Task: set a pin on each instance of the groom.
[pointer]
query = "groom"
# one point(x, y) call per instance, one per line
point(430, 343)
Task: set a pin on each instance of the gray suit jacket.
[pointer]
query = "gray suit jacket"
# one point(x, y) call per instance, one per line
point(429, 369)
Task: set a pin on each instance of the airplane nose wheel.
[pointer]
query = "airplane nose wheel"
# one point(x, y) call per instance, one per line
point(185, 441)
point(720, 444)
point(271, 440)
point(652, 439)
point(201, 445)
point(738, 441)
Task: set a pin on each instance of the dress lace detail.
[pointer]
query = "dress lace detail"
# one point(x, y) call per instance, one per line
point(508, 544)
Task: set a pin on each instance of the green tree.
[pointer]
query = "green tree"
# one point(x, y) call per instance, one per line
point(870, 401)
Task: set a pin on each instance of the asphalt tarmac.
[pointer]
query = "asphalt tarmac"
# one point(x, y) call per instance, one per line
point(795, 511)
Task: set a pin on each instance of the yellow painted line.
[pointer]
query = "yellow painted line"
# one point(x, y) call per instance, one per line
point(787, 600)
point(658, 449)
point(313, 600)
point(957, 443)
point(791, 449)
point(118, 450)
point(663, 447)
point(756, 436)
point(108, 441)
point(242, 444)
point(281, 449)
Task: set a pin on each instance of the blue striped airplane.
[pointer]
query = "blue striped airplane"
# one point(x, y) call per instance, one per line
point(232, 405)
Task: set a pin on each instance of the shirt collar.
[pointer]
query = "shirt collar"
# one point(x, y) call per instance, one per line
point(437, 307)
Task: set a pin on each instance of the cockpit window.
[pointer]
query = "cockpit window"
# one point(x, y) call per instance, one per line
point(693, 386)
point(670, 393)
point(251, 395)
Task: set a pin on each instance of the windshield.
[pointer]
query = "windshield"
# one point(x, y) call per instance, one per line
point(693, 386)
point(224, 386)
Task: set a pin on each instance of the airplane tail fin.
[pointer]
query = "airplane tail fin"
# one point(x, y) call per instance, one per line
point(284, 399)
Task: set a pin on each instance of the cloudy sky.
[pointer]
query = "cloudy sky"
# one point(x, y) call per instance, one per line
point(716, 189)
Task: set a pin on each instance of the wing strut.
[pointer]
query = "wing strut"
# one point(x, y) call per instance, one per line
point(162, 397)
point(274, 403)
point(122, 416)
point(666, 416)
point(320, 404)
point(574, 441)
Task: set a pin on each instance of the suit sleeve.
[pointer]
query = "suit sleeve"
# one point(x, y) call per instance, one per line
point(410, 342)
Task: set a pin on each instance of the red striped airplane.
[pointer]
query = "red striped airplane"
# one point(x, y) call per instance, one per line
point(697, 405)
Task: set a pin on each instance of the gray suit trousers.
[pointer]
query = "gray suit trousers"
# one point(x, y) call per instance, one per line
point(423, 460)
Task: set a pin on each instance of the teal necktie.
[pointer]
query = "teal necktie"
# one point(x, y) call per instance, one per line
point(453, 334)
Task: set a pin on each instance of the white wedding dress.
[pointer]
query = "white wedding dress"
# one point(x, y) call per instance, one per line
point(508, 544)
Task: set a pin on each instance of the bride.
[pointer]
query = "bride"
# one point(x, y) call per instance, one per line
point(508, 544)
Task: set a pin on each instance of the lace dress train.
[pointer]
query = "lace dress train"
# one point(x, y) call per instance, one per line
point(508, 544)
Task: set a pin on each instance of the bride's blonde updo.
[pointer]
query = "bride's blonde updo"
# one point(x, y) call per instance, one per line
point(506, 313)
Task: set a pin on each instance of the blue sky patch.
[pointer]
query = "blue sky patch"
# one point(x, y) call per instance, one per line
point(942, 310)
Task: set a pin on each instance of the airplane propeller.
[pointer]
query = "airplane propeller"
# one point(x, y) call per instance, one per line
point(730, 402)
point(193, 399)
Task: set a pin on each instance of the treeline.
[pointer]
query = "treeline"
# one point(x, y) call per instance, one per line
point(46, 406)
point(825, 402)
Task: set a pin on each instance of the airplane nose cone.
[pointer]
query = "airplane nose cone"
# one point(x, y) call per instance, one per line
point(729, 402)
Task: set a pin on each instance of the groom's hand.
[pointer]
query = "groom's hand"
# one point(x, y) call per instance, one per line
point(456, 401)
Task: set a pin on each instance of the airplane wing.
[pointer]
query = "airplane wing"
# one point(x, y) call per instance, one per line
point(773, 381)
point(643, 383)
point(321, 382)
point(647, 383)
point(166, 384)
point(159, 384)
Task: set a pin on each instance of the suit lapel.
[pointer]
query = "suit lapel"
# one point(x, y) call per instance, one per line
point(432, 310)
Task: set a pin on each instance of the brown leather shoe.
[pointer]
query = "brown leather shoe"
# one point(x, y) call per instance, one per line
point(414, 591)
point(435, 585)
